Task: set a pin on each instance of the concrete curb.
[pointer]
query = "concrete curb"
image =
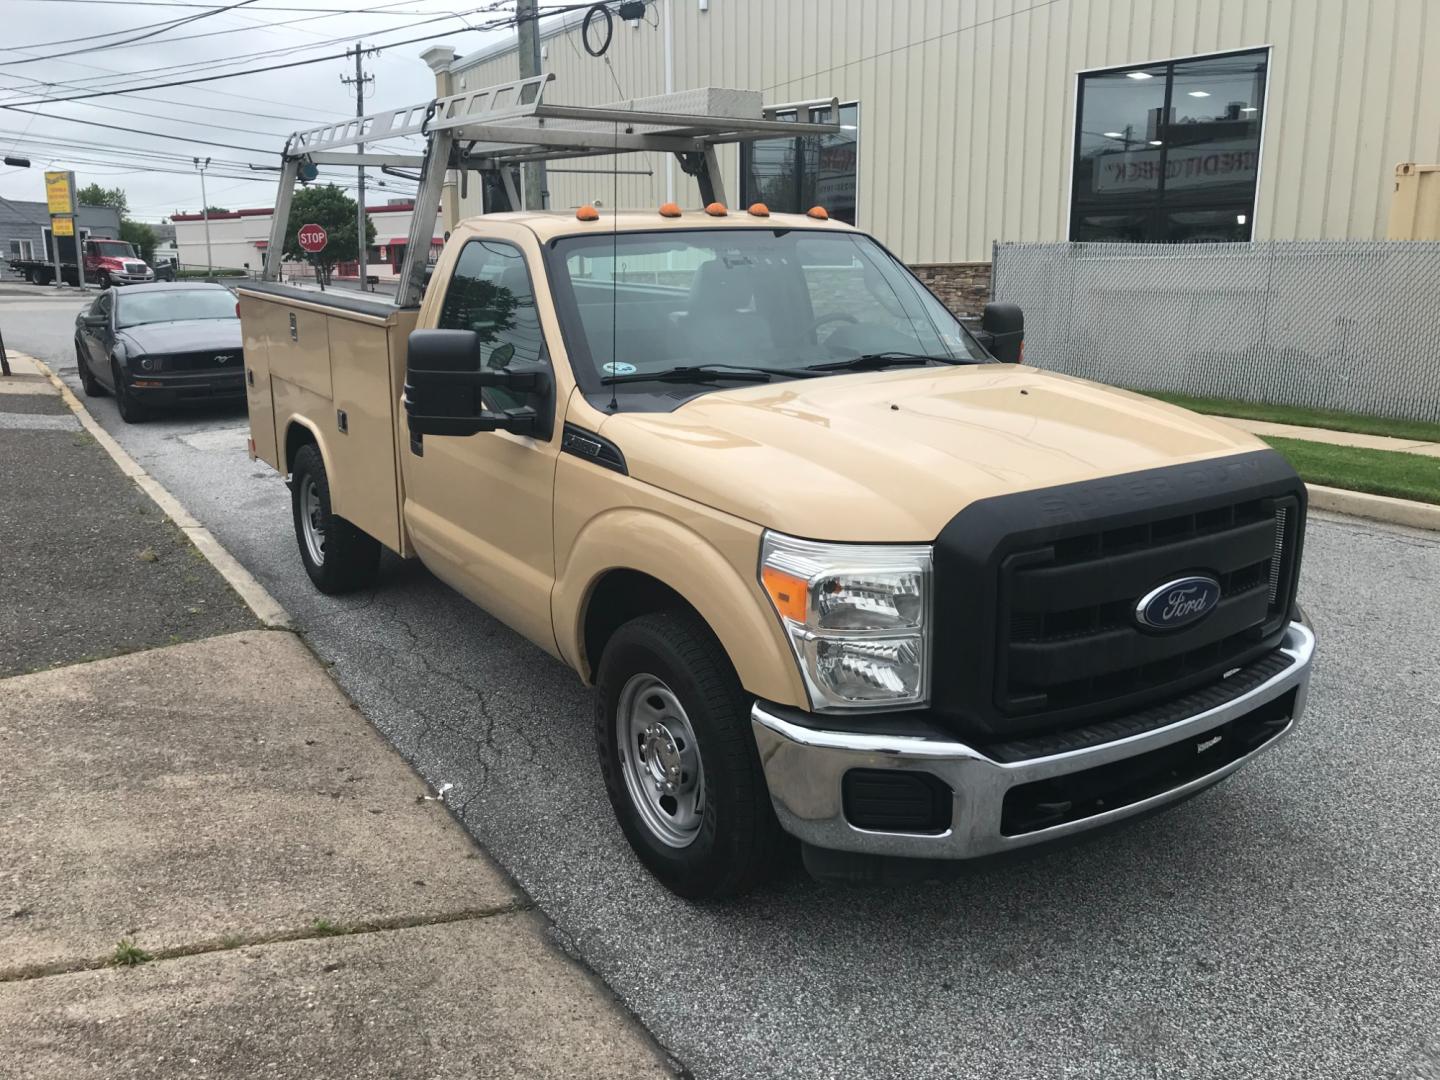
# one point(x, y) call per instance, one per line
point(1416, 515)
point(266, 608)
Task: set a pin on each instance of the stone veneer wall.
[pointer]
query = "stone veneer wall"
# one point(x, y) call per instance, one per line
point(964, 287)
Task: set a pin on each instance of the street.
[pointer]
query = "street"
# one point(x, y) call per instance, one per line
point(1284, 924)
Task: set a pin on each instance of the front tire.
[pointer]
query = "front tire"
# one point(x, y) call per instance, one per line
point(338, 557)
point(131, 411)
point(88, 382)
point(104, 280)
point(672, 727)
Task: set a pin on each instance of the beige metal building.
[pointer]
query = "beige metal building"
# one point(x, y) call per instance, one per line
point(975, 121)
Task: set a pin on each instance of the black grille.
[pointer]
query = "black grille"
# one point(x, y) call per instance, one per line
point(1069, 638)
point(1035, 593)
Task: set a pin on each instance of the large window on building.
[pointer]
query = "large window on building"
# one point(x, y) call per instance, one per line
point(792, 175)
point(1169, 152)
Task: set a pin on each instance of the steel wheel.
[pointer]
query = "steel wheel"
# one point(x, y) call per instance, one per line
point(312, 520)
point(660, 761)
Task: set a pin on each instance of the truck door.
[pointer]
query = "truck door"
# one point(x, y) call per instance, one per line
point(479, 507)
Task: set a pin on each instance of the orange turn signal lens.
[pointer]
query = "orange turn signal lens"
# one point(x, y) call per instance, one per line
point(716, 209)
point(787, 593)
point(819, 213)
point(670, 209)
point(759, 209)
point(588, 213)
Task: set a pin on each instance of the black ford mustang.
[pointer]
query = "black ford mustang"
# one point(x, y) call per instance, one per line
point(163, 344)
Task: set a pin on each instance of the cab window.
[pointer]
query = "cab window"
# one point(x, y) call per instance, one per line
point(490, 293)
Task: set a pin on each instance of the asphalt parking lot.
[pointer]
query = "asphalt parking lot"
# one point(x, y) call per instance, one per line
point(1284, 924)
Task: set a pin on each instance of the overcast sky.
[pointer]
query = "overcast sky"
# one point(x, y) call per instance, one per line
point(252, 113)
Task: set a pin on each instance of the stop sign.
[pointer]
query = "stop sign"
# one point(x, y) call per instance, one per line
point(312, 238)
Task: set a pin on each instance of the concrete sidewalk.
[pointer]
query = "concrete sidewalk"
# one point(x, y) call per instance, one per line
point(301, 904)
point(1335, 438)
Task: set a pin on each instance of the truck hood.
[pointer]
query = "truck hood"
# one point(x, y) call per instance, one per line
point(892, 456)
point(191, 335)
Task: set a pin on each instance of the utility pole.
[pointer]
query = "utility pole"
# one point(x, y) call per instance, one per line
point(527, 29)
point(359, 82)
point(205, 213)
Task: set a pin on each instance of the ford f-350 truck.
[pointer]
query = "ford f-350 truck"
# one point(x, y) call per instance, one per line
point(835, 565)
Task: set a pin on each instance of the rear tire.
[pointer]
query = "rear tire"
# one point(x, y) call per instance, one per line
point(131, 411)
point(338, 557)
point(88, 382)
point(686, 688)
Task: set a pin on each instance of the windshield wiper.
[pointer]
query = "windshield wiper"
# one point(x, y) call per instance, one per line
point(878, 360)
point(704, 373)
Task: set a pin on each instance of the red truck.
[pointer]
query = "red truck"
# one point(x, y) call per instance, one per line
point(107, 262)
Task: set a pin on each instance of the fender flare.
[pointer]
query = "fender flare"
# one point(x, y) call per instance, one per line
point(732, 604)
point(296, 420)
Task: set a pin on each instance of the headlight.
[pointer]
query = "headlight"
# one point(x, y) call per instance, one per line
point(857, 616)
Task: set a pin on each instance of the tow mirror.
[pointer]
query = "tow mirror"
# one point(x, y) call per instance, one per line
point(1002, 332)
point(445, 380)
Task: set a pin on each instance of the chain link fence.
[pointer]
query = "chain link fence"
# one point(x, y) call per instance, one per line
point(1339, 324)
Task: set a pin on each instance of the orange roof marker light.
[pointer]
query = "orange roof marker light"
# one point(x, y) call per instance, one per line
point(759, 209)
point(587, 213)
point(716, 209)
point(670, 209)
point(819, 213)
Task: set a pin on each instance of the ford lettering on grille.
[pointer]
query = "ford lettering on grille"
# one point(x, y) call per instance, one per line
point(1178, 603)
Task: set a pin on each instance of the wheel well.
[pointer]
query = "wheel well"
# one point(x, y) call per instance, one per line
point(618, 597)
point(296, 436)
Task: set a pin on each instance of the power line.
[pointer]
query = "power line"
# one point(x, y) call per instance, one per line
point(496, 24)
point(181, 69)
point(166, 101)
point(140, 131)
point(159, 3)
point(178, 119)
point(89, 37)
point(173, 24)
point(212, 63)
point(255, 25)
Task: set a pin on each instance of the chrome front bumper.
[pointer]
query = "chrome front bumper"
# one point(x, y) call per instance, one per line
point(805, 769)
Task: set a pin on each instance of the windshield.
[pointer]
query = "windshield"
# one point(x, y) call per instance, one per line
point(115, 249)
point(785, 300)
point(174, 305)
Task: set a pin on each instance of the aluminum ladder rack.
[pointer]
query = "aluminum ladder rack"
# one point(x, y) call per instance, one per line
point(494, 128)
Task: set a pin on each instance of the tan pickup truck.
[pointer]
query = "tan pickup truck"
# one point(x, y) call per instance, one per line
point(835, 565)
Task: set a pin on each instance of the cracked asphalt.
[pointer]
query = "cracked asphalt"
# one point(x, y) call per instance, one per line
point(1284, 924)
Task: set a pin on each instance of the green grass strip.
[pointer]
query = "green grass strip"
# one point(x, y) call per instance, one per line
point(1333, 419)
point(1380, 472)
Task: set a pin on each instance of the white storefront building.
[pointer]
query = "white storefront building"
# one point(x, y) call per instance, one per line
point(238, 239)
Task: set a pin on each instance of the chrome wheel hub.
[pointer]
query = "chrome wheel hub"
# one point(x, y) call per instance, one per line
point(660, 761)
point(312, 521)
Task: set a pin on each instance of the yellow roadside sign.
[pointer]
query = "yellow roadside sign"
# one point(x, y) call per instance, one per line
point(60, 192)
point(62, 226)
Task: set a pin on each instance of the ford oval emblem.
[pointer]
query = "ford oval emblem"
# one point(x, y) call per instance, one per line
point(1178, 603)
